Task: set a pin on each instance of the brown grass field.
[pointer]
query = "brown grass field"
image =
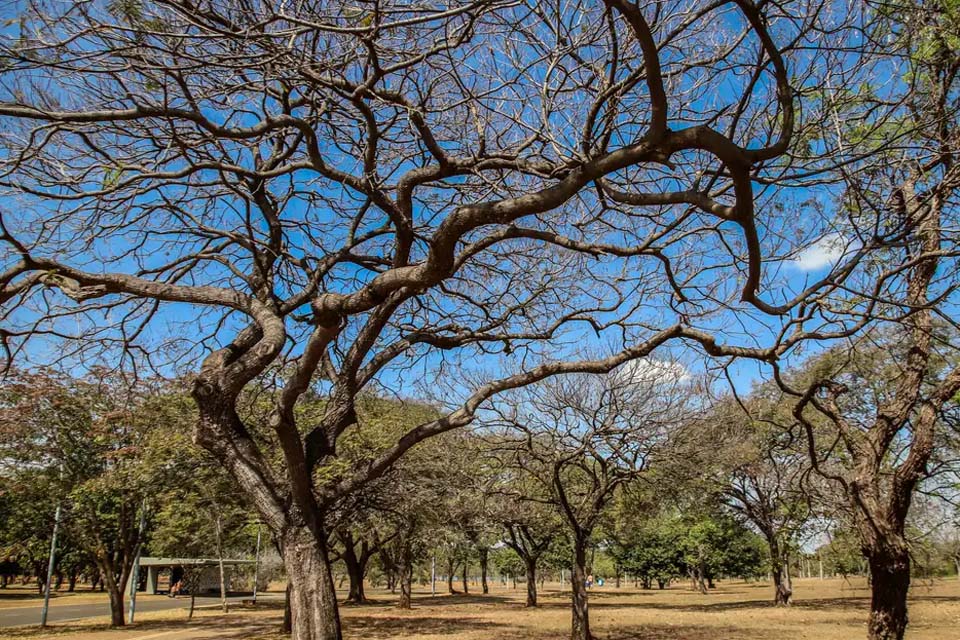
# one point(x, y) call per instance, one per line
point(831, 609)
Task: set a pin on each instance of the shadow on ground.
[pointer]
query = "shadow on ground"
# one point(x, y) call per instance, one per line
point(383, 627)
point(17, 596)
point(460, 599)
point(684, 632)
point(218, 627)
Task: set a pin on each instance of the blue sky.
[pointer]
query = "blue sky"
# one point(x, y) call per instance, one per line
point(182, 323)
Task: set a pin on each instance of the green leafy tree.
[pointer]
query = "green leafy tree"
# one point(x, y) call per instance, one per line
point(718, 545)
point(90, 435)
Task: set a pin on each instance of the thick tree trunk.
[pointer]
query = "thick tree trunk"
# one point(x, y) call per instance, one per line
point(484, 561)
point(466, 569)
point(356, 569)
point(116, 605)
point(313, 599)
point(580, 629)
point(114, 590)
point(890, 571)
point(782, 589)
point(531, 566)
point(782, 593)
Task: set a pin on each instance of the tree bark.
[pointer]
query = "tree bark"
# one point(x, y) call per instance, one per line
point(581, 614)
point(406, 579)
point(287, 626)
point(356, 569)
point(313, 599)
point(114, 590)
point(782, 589)
point(782, 593)
point(484, 561)
point(466, 569)
point(890, 571)
point(531, 566)
point(116, 604)
point(451, 567)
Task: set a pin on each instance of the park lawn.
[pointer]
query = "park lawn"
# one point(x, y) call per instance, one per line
point(824, 610)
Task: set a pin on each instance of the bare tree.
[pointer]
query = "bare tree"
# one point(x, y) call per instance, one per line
point(330, 196)
point(581, 439)
point(530, 531)
point(769, 492)
point(878, 401)
point(742, 453)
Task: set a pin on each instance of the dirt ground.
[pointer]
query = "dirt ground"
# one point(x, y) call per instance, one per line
point(831, 609)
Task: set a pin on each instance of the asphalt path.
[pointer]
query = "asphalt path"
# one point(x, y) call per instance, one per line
point(30, 614)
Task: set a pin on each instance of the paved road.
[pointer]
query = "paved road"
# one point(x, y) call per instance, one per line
point(30, 614)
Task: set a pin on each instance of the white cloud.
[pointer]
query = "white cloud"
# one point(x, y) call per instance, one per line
point(646, 371)
point(822, 253)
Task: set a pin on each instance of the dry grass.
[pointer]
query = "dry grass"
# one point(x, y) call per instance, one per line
point(824, 610)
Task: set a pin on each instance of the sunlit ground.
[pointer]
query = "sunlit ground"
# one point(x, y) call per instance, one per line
point(824, 610)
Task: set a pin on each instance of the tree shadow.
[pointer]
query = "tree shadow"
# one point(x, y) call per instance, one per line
point(849, 603)
point(383, 627)
point(459, 599)
point(220, 626)
point(64, 628)
point(23, 595)
point(863, 602)
point(685, 632)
